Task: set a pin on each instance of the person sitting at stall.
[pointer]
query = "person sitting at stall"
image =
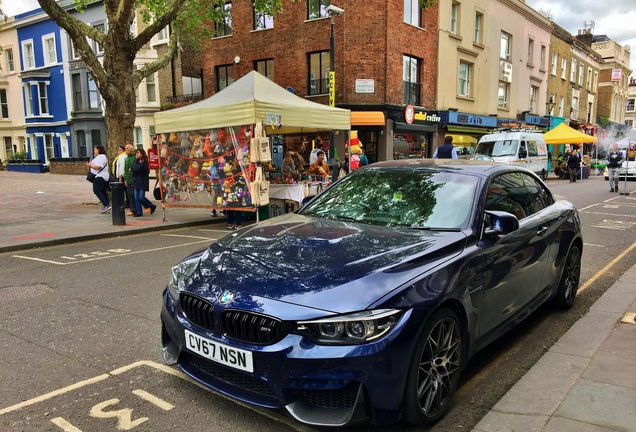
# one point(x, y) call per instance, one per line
point(299, 163)
point(319, 167)
point(289, 167)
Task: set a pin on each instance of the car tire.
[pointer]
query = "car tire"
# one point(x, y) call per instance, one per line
point(569, 284)
point(434, 370)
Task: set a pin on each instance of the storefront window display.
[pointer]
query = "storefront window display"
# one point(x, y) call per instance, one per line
point(409, 146)
point(369, 142)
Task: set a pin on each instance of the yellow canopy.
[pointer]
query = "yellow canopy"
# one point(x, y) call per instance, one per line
point(564, 134)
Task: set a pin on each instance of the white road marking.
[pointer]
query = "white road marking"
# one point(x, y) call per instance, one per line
point(64, 425)
point(593, 245)
point(112, 256)
point(188, 236)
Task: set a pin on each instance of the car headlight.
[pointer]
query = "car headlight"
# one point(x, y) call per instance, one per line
point(181, 276)
point(350, 329)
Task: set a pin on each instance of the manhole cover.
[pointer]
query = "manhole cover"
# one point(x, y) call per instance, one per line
point(24, 291)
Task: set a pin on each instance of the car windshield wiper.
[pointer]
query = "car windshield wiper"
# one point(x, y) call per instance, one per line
point(428, 228)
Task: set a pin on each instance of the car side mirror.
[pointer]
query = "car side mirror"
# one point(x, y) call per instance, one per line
point(523, 154)
point(306, 200)
point(500, 222)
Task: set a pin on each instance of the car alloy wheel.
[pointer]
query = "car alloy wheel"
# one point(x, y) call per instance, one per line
point(435, 368)
point(569, 284)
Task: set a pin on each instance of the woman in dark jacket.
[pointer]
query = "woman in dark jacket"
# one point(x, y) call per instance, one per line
point(140, 182)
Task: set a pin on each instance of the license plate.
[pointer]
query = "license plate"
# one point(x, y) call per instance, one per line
point(220, 353)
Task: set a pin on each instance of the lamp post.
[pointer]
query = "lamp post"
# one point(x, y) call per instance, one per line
point(549, 106)
point(332, 10)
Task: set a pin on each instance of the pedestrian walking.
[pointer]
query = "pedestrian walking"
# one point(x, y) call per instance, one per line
point(99, 167)
point(573, 164)
point(140, 182)
point(446, 150)
point(614, 162)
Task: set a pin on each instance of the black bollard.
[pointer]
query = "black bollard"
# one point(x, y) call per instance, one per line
point(118, 204)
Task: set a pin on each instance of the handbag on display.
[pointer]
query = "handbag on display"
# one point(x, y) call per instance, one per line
point(259, 189)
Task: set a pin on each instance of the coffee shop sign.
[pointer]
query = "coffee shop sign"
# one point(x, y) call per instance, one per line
point(430, 117)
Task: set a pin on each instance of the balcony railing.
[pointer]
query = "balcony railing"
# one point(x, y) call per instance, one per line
point(184, 98)
point(411, 93)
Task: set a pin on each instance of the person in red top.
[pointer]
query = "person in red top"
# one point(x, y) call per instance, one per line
point(319, 167)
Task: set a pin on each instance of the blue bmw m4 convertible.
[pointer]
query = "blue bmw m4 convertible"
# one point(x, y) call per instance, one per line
point(366, 303)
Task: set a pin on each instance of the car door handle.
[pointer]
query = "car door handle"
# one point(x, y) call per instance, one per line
point(542, 230)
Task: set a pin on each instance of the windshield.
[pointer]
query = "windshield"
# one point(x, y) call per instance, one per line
point(498, 148)
point(414, 198)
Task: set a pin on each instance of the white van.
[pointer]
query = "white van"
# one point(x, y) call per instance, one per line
point(527, 149)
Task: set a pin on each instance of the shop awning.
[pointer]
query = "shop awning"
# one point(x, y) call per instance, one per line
point(463, 139)
point(467, 129)
point(367, 118)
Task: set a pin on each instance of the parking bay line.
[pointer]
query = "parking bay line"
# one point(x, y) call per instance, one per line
point(111, 256)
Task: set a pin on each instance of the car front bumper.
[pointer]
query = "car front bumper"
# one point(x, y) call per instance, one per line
point(329, 385)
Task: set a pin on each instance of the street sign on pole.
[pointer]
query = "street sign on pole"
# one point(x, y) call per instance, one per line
point(332, 88)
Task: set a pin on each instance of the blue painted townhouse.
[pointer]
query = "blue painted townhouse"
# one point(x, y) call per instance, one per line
point(43, 88)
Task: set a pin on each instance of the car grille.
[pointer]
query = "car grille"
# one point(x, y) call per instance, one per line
point(198, 311)
point(341, 398)
point(250, 327)
point(229, 375)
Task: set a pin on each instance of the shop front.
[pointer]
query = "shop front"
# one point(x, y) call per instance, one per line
point(411, 131)
point(466, 130)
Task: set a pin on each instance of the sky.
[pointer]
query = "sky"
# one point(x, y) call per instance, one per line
point(14, 7)
point(614, 18)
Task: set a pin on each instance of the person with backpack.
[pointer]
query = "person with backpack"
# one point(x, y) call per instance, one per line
point(614, 162)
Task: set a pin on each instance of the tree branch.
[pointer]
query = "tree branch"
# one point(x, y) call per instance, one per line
point(172, 10)
point(77, 30)
point(153, 67)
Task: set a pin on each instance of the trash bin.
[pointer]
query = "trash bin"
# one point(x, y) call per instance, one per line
point(118, 203)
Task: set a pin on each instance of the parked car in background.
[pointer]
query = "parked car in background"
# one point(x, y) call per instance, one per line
point(369, 301)
point(527, 149)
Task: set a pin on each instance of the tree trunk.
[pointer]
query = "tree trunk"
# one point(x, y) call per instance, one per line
point(120, 123)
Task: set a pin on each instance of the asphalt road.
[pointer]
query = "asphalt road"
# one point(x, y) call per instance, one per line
point(80, 332)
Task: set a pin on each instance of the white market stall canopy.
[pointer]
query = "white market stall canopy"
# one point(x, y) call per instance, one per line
point(253, 99)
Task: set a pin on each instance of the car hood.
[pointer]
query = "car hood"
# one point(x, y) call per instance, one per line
point(325, 264)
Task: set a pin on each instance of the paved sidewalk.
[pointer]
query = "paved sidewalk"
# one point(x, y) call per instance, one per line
point(47, 209)
point(586, 382)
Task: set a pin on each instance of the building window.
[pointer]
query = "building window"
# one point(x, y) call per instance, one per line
point(630, 105)
point(8, 55)
point(534, 92)
point(96, 137)
point(224, 26)
point(139, 138)
point(76, 85)
point(564, 68)
point(224, 76)
point(81, 144)
point(4, 104)
point(28, 58)
point(573, 71)
point(28, 96)
point(318, 73)
point(163, 35)
point(8, 147)
point(463, 86)
point(93, 94)
point(504, 49)
point(73, 53)
point(98, 48)
point(48, 147)
point(410, 80)
point(502, 94)
point(595, 82)
point(531, 52)
point(454, 19)
point(412, 12)
point(581, 74)
point(263, 21)
point(479, 22)
point(265, 68)
point(44, 99)
point(553, 64)
point(588, 83)
point(628, 123)
point(561, 106)
point(50, 53)
point(575, 107)
point(542, 59)
point(151, 88)
point(317, 8)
